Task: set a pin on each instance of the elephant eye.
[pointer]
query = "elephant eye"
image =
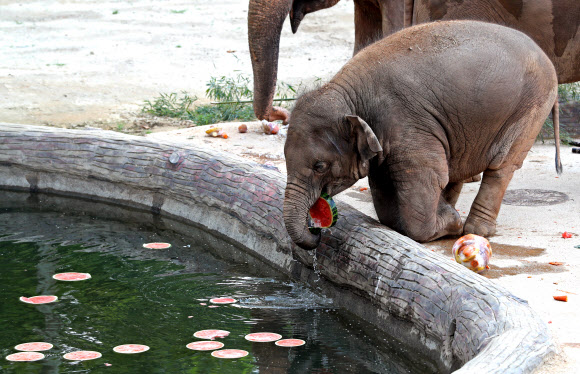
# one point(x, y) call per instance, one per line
point(321, 167)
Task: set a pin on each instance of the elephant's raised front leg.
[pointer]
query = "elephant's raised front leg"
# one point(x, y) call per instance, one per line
point(411, 201)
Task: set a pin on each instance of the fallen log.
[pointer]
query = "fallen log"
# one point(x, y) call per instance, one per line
point(464, 321)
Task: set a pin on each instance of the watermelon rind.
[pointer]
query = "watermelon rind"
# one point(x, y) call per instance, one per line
point(333, 212)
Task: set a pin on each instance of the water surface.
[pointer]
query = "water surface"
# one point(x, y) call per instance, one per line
point(154, 297)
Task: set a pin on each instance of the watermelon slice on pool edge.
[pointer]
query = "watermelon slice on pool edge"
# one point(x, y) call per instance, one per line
point(323, 214)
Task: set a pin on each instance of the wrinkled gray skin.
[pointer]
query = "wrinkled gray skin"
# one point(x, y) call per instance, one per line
point(553, 24)
point(419, 112)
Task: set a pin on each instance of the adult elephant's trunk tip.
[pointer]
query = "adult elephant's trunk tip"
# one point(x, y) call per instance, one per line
point(265, 20)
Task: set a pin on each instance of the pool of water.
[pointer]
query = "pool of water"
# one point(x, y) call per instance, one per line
point(154, 297)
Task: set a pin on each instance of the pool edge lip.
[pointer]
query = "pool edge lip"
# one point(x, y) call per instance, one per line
point(510, 337)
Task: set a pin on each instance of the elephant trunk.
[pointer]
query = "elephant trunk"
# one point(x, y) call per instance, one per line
point(265, 20)
point(297, 203)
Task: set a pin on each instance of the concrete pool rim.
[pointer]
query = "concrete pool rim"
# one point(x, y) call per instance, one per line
point(465, 321)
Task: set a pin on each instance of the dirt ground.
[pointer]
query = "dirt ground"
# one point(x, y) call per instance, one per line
point(93, 63)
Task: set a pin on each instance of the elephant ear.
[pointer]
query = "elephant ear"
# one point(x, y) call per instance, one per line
point(367, 143)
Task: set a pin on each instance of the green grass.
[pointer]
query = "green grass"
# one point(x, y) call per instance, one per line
point(233, 94)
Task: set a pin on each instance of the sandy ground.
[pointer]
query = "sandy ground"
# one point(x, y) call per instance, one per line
point(77, 63)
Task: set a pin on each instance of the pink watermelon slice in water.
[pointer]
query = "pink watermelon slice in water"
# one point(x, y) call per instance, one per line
point(223, 300)
point(39, 299)
point(156, 245)
point(34, 347)
point(263, 337)
point(211, 334)
point(25, 356)
point(82, 355)
point(131, 348)
point(205, 345)
point(71, 277)
point(290, 342)
point(229, 353)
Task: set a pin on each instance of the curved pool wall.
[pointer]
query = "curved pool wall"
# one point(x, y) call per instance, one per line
point(464, 321)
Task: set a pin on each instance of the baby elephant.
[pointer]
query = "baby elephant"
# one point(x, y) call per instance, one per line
point(419, 112)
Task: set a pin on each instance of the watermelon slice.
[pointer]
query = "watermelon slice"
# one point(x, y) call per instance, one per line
point(205, 345)
point(71, 277)
point(323, 214)
point(229, 353)
point(211, 334)
point(131, 348)
point(38, 299)
point(82, 355)
point(25, 356)
point(156, 245)
point(290, 342)
point(263, 337)
point(33, 347)
point(222, 300)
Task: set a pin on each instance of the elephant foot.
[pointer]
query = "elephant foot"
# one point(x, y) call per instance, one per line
point(479, 227)
point(451, 223)
point(279, 113)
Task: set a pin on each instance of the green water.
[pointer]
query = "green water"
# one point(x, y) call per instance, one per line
point(153, 297)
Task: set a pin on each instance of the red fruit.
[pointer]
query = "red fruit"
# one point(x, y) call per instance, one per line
point(156, 245)
point(205, 345)
point(263, 337)
point(243, 128)
point(33, 347)
point(39, 299)
point(211, 334)
point(25, 356)
point(223, 300)
point(229, 353)
point(71, 277)
point(290, 342)
point(131, 348)
point(324, 212)
point(82, 355)
point(566, 235)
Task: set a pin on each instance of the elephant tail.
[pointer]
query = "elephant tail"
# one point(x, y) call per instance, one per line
point(556, 121)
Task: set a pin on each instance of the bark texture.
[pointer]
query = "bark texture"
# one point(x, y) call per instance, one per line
point(463, 320)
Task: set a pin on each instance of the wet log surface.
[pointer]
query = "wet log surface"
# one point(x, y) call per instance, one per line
point(464, 321)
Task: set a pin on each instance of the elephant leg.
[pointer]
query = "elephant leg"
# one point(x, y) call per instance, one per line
point(410, 198)
point(452, 191)
point(384, 197)
point(368, 24)
point(485, 208)
point(424, 212)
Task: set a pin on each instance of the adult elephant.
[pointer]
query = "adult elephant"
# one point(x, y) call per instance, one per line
point(552, 24)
